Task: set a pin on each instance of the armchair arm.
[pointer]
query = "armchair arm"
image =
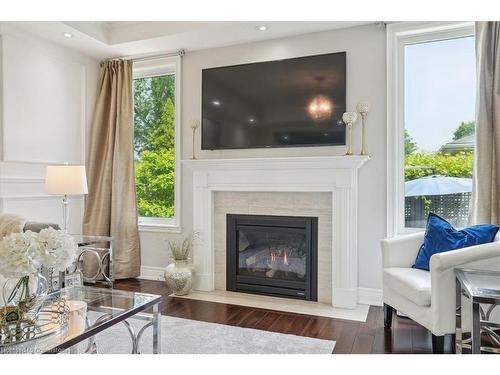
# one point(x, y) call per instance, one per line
point(442, 268)
point(401, 251)
point(456, 258)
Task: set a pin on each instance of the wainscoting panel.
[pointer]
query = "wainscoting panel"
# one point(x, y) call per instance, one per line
point(43, 101)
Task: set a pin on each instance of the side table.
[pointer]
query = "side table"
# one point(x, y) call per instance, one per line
point(482, 291)
point(103, 255)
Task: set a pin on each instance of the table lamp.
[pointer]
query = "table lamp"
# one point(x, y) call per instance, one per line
point(66, 180)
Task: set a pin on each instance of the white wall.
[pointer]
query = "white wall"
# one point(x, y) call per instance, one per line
point(47, 95)
point(366, 79)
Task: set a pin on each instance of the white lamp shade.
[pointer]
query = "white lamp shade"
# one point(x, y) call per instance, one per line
point(66, 180)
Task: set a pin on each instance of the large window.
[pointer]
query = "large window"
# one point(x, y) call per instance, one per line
point(432, 88)
point(155, 146)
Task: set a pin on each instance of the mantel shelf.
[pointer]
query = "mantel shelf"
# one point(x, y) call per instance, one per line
point(314, 162)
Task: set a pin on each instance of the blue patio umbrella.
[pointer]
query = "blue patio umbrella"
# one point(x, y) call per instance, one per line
point(437, 185)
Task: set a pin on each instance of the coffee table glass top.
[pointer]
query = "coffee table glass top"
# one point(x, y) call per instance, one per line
point(116, 305)
point(482, 284)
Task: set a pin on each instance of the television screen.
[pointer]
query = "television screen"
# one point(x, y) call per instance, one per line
point(284, 103)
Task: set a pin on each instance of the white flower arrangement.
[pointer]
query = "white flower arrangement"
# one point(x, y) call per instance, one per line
point(21, 254)
point(18, 255)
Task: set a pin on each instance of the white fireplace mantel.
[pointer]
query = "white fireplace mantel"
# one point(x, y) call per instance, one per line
point(337, 175)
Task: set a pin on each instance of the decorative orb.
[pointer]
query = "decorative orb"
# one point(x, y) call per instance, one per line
point(194, 124)
point(349, 117)
point(320, 108)
point(363, 107)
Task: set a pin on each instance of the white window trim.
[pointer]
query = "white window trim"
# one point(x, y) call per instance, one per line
point(154, 68)
point(399, 35)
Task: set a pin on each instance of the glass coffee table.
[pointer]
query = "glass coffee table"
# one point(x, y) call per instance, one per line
point(477, 297)
point(104, 308)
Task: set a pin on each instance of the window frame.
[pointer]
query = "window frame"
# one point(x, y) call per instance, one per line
point(398, 36)
point(153, 68)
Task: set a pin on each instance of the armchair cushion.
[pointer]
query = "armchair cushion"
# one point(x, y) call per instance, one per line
point(412, 283)
point(440, 236)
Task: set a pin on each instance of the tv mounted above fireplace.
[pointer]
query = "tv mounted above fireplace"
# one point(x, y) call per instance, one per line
point(285, 103)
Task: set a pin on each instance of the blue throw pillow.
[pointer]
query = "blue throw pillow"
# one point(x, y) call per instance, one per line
point(440, 236)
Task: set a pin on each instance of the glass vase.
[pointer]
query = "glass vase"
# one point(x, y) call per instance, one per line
point(23, 297)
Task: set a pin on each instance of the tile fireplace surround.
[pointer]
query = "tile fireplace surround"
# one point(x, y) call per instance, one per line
point(335, 175)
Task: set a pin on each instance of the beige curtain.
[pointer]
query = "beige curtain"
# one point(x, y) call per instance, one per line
point(110, 207)
point(486, 191)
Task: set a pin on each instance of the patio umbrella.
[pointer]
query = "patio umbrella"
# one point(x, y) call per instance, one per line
point(437, 185)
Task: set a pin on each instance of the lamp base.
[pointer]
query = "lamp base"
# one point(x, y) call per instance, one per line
point(65, 213)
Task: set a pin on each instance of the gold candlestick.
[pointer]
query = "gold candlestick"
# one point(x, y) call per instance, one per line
point(195, 124)
point(349, 118)
point(363, 108)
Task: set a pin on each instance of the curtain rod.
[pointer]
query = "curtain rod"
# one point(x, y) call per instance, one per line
point(180, 53)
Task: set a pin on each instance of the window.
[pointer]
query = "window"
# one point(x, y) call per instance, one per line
point(431, 111)
point(156, 154)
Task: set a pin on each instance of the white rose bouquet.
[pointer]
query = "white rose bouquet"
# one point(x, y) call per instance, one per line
point(22, 255)
point(19, 255)
point(56, 249)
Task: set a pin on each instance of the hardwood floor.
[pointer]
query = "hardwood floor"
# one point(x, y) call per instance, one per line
point(351, 337)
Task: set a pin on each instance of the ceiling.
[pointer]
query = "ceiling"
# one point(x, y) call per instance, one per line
point(101, 39)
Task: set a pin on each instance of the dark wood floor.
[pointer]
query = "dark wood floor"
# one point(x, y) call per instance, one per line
point(351, 337)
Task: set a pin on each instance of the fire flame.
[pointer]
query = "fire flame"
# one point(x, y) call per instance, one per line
point(275, 257)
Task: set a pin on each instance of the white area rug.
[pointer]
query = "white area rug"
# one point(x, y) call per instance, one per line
point(184, 336)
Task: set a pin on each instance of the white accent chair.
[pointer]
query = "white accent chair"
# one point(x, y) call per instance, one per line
point(428, 297)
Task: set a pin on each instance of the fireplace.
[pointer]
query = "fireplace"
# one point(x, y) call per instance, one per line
point(272, 255)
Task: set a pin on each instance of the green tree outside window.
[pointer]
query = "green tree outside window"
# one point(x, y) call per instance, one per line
point(464, 129)
point(154, 145)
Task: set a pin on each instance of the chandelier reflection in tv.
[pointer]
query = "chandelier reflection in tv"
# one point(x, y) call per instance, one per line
point(320, 108)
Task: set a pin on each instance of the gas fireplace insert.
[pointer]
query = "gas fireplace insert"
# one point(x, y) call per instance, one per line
point(272, 255)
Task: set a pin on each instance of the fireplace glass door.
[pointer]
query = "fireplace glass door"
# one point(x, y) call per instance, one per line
point(272, 255)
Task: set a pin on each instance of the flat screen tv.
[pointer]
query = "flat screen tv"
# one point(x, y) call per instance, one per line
point(285, 103)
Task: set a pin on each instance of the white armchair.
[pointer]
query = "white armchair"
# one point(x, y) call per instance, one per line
point(428, 297)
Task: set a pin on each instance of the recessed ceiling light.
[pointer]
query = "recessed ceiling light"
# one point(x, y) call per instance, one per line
point(216, 103)
point(262, 27)
point(67, 35)
point(251, 120)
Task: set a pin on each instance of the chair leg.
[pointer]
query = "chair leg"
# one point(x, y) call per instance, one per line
point(388, 312)
point(437, 344)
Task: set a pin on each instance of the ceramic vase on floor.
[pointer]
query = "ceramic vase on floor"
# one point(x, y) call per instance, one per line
point(179, 277)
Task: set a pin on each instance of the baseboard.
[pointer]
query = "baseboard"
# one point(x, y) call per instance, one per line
point(369, 296)
point(152, 273)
